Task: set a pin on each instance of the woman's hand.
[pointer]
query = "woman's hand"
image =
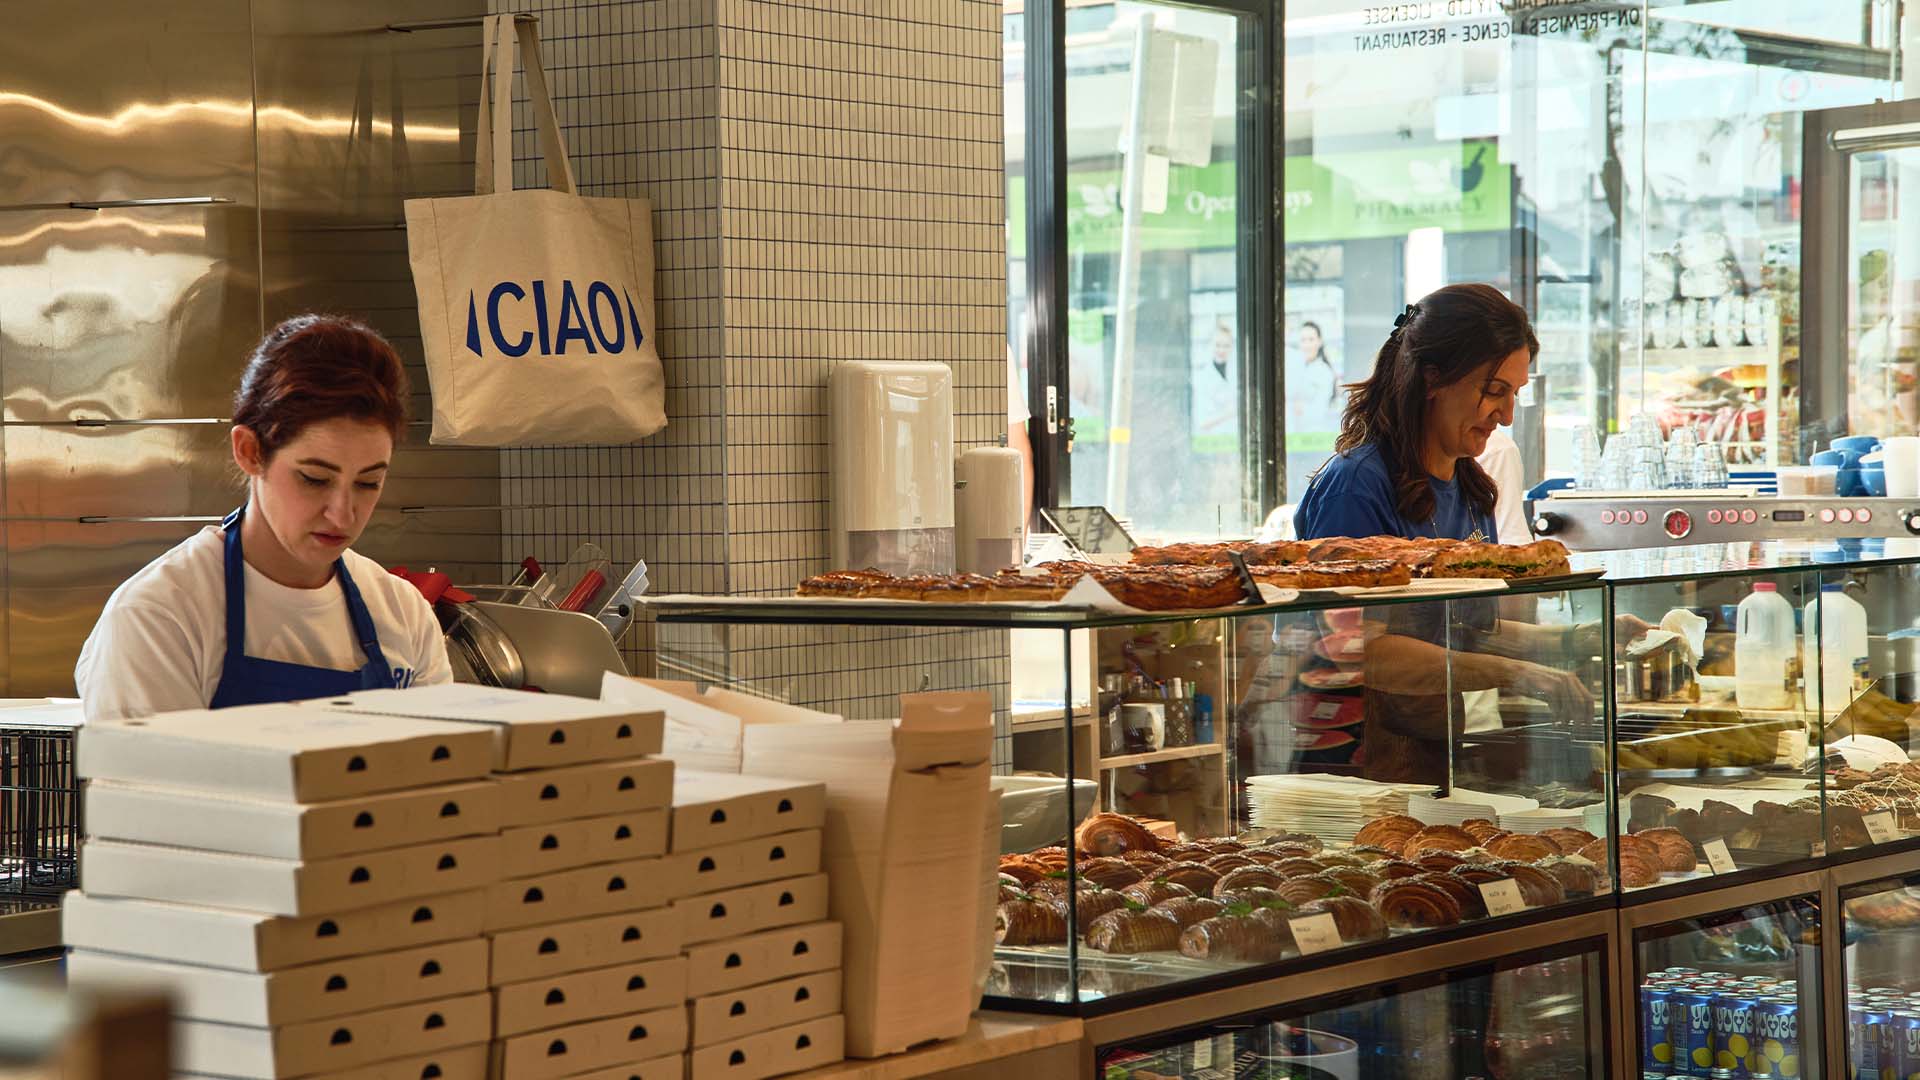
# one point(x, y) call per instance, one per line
point(1565, 693)
point(1585, 641)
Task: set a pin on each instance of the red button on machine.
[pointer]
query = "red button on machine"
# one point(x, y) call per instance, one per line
point(1826, 516)
point(1863, 515)
point(1748, 517)
point(1845, 515)
point(1606, 517)
point(1713, 517)
point(1678, 523)
point(1639, 517)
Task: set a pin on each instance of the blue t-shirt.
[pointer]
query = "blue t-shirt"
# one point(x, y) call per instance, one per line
point(1354, 496)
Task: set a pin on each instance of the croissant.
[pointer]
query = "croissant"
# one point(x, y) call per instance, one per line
point(1312, 843)
point(1029, 921)
point(1390, 832)
point(1298, 867)
point(1371, 853)
point(1090, 904)
point(1229, 861)
point(1247, 876)
point(1111, 873)
point(1674, 850)
point(1022, 872)
point(1187, 851)
point(1637, 871)
point(1478, 875)
point(1153, 892)
point(1537, 887)
point(1393, 869)
point(1358, 880)
point(1415, 904)
point(1445, 837)
point(1576, 876)
point(1359, 921)
point(1524, 847)
point(1187, 910)
point(1259, 938)
point(1569, 840)
point(1050, 858)
point(1195, 876)
point(1299, 890)
point(1479, 828)
point(1340, 858)
point(1145, 860)
point(1112, 834)
point(1269, 858)
point(1221, 845)
point(1134, 932)
point(1010, 890)
point(1253, 896)
point(1437, 860)
point(1472, 904)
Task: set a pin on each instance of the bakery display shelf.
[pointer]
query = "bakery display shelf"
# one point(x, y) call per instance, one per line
point(1171, 753)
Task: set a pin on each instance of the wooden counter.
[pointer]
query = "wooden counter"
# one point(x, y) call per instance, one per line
point(1002, 1046)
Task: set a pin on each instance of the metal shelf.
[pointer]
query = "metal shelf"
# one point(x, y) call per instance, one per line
point(1174, 753)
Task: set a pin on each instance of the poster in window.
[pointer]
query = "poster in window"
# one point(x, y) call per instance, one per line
point(1214, 317)
point(1312, 380)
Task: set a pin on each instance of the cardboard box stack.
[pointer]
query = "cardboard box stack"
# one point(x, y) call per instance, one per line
point(310, 887)
point(909, 845)
point(584, 946)
point(762, 964)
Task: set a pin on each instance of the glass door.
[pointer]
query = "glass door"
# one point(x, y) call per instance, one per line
point(1530, 1017)
point(1166, 218)
point(1881, 922)
point(1735, 990)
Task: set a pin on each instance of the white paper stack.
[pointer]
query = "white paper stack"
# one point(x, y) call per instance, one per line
point(1328, 806)
point(1542, 818)
point(763, 965)
point(1465, 805)
point(309, 888)
point(583, 941)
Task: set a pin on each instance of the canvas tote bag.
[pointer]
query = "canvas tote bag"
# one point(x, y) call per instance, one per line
point(536, 307)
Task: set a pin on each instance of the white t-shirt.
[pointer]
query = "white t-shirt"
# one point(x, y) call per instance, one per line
point(1501, 460)
point(161, 643)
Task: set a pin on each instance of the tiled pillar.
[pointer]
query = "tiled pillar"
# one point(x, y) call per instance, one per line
point(828, 185)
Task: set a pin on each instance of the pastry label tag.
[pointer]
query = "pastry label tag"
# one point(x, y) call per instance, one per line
point(1502, 896)
point(1203, 1054)
point(1315, 933)
point(1880, 827)
point(1717, 856)
point(1326, 710)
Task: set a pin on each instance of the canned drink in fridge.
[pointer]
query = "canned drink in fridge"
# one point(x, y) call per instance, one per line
point(1733, 1029)
point(1681, 971)
point(1656, 1053)
point(1690, 1032)
point(1776, 1038)
point(1900, 1045)
point(1866, 1039)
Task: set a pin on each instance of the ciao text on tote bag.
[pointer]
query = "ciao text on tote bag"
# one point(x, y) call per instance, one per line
point(536, 306)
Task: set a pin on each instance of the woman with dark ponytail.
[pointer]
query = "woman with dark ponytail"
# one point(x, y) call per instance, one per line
point(1403, 465)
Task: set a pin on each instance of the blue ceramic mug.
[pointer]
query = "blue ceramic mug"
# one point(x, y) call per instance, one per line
point(1873, 478)
point(1858, 443)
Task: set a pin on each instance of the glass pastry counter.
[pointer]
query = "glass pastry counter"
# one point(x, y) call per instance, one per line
point(1259, 789)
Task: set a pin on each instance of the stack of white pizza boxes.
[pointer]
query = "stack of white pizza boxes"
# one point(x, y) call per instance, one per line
point(309, 887)
point(585, 966)
point(763, 965)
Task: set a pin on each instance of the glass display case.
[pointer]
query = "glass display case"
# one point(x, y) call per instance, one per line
point(1880, 925)
point(1737, 990)
point(1532, 1016)
point(1268, 787)
point(1311, 783)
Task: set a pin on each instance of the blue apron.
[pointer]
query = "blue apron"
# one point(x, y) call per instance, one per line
point(249, 680)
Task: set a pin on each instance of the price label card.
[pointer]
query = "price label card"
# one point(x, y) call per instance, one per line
point(1502, 896)
point(1326, 710)
point(1203, 1054)
point(1717, 856)
point(1881, 828)
point(1315, 933)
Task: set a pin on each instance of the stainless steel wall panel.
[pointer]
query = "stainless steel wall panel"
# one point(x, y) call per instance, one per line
point(59, 577)
point(331, 196)
point(122, 471)
point(137, 313)
point(126, 99)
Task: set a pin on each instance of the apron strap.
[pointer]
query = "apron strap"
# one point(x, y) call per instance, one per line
point(236, 576)
point(363, 624)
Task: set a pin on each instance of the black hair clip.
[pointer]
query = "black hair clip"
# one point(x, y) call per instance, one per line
point(1405, 317)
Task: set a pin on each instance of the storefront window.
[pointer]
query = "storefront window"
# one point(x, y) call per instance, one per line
point(1629, 172)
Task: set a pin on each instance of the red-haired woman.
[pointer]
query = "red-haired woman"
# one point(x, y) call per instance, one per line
point(273, 605)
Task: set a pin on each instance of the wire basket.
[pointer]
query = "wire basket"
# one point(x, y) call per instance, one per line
point(39, 812)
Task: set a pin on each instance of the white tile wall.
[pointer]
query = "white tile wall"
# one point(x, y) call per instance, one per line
point(826, 179)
